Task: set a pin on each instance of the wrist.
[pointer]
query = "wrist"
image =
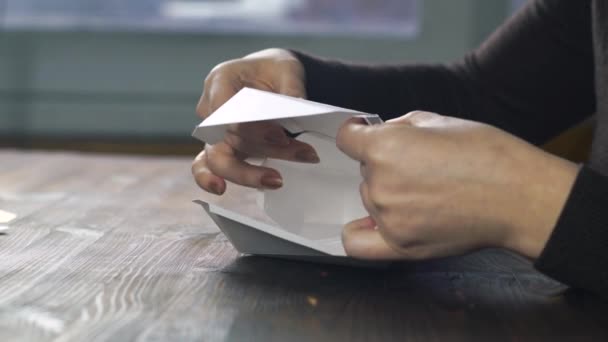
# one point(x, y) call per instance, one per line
point(542, 198)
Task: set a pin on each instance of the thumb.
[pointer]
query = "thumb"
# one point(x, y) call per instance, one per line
point(353, 137)
point(362, 240)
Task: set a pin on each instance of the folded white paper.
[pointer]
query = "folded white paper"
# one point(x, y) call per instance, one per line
point(315, 201)
point(6, 217)
point(294, 114)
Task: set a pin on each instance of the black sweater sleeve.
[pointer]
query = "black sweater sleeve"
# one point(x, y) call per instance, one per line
point(533, 77)
point(577, 251)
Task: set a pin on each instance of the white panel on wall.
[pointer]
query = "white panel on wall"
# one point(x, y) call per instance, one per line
point(343, 17)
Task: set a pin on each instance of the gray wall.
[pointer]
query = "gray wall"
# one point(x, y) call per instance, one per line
point(75, 84)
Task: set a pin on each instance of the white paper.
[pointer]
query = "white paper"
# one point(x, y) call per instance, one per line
point(316, 200)
point(294, 114)
point(6, 217)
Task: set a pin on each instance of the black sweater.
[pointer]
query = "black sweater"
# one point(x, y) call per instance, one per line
point(543, 71)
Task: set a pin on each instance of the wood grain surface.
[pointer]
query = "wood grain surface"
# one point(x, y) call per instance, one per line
point(108, 248)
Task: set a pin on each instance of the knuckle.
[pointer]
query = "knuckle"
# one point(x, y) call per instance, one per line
point(214, 158)
point(202, 177)
point(201, 180)
point(248, 178)
point(219, 68)
point(377, 151)
point(233, 140)
point(211, 76)
point(292, 68)
point(285, 64)
point(201, 107)
point(391, 231)
point(420, 116)
point(341, 137)
point(200, 156)
point(209, 79)
point(376, 157)
point(218, 72)
point(399, 227)
point(417, 113)
point(199, 163)
point(392, 222)
point(195, 167)
point(363, 191)
point(376, 196)
point(211, 151)
point(200, 111)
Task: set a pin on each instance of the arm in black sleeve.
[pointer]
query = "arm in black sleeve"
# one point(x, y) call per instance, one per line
point(577, 251)
point(533, 77)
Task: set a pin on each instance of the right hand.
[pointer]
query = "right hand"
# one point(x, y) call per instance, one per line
point(274, 70)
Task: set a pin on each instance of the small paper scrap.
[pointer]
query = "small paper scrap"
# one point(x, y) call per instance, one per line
point(6, 217)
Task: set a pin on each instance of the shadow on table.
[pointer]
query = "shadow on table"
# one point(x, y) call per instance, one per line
point(492, 294)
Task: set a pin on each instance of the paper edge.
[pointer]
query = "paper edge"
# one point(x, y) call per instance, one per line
point(215, 133)
point(268, 229)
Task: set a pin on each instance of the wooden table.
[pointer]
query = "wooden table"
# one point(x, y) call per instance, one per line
point(111, 248)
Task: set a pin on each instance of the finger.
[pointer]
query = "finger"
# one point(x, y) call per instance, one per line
point(415, 118)
point(363, 241)
point(292, 86)
point(365, 199)
point(216, 92)
point(222, 89)
point(223, 161)
point(296, 151)
point(261, 132)
point(202, 108)
point(363, 171)
point(204, 178)
point(353, 137)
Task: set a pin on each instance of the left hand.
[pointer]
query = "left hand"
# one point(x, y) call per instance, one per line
point(437, 186)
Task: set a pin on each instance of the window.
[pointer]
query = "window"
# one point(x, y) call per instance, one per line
point(342, 17)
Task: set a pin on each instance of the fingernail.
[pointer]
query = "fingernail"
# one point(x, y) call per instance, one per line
point(276, 138)
point(272, 181)
point(307, 156)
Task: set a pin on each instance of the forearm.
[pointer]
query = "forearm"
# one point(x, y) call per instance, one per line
point(532, 78)
point(387, 90)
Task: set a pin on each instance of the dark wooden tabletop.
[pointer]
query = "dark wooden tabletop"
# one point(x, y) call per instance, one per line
point(108, 248)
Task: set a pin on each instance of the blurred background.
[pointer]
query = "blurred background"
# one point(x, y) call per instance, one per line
point(125, 75)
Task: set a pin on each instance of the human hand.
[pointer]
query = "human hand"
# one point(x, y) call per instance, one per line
point(272, 70)
point(437, 186)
